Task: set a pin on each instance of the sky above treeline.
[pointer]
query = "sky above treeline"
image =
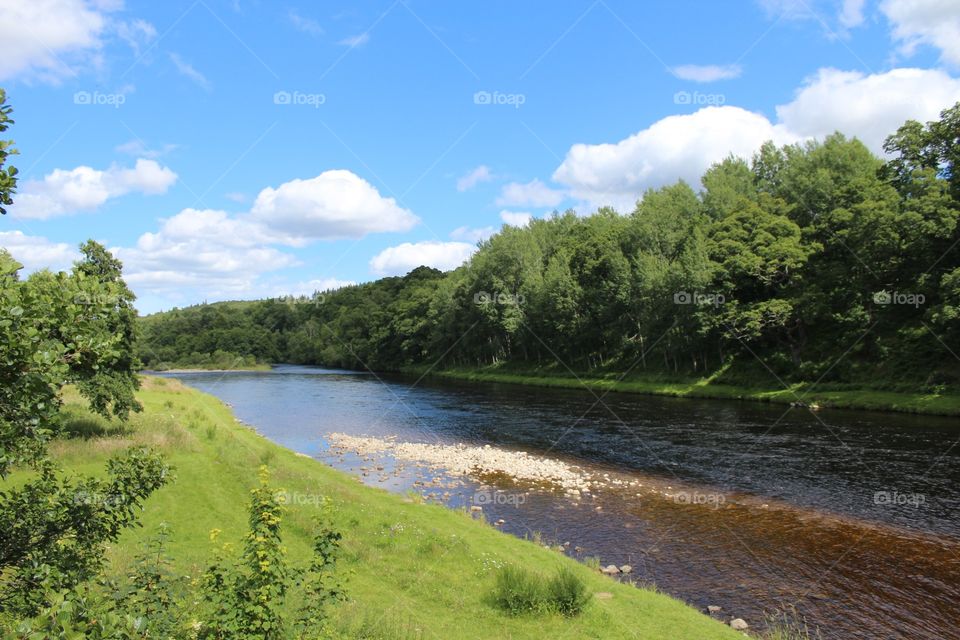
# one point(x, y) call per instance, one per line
point(235, 149)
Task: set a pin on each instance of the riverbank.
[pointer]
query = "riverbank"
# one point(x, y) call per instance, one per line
point(411, 570)
point(799, 394)
point(195, 369)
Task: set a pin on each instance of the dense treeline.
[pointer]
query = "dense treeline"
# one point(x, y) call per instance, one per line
point(818, 259)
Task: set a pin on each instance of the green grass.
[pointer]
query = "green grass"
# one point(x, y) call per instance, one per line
point(933, 403)
point(411, 570)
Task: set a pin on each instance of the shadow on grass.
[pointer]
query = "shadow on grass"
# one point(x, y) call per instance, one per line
point(79, 423)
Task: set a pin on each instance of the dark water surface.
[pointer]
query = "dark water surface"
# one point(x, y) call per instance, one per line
point(851, 518)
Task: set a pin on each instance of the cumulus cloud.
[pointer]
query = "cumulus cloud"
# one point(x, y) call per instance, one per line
point(43, 38)
point(707, 73)
point(202, 248)
point(36, 252)
point(83, 189)
point(676, 147)
point(213, 254)
point(403, 258)
point(335, 204)
point(516, 218)
point(474, 177)
point(683, 146)
point(926, 22)
point(870, 107)
point(531, 194)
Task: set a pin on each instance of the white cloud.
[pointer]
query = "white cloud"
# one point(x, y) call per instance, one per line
point(468, 234)
point(136, 33)
point(681, 146)
point(43, 38)
point(533, 194)
point(36, 252)
point(63, 192)
point(516, 218)
point(870, 107)
point(201, 249)
point(930, 22)
point(707, 73)
point(403, 258)
point(236, 196)
point(188, 71)
point(335, 204)
point(138, 148)
point(851, 15)
point(473, 178)
point(357, 40)
point(306, 25)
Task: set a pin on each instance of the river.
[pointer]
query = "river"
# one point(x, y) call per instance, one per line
point(850, 519)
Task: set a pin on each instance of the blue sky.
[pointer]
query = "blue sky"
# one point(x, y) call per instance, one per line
point(232, 149)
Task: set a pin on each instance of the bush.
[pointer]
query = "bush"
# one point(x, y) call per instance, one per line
point(519, 591)
point(567, 592)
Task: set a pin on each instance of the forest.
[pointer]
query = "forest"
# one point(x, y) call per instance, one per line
point(809, 262)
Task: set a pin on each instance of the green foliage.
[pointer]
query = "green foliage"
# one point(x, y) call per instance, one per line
point(55, 527)
point(777, 258)
point(246, 598)
point(519, 591)
point(8, 175)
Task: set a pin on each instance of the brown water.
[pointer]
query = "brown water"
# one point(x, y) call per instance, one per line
point(850, 518)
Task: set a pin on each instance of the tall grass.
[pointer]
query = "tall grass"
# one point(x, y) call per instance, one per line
point(519, 591)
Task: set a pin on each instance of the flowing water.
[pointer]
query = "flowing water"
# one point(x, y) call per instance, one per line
point(852, 519)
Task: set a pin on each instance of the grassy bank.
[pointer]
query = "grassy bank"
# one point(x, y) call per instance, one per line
point(412, 570)
point(848, 397)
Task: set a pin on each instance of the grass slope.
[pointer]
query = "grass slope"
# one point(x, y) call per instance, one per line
point(413, 570)
point(947, 404)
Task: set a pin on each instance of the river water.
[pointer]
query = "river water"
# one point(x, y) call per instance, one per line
point(849, 519)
